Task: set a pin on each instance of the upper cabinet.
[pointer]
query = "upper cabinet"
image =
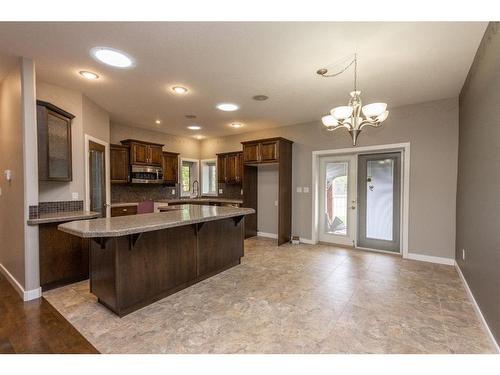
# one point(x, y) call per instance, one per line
point(230, 167)
point(54, 143)
point(120, 164)
point(144, 153)
point(170, 166)
point(263, 150)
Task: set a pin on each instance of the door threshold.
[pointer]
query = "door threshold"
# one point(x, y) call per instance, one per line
point(359, 248)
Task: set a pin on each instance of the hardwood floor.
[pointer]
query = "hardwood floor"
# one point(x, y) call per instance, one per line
point(35, 327)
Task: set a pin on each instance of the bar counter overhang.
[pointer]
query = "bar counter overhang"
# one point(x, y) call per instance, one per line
point(139, 259)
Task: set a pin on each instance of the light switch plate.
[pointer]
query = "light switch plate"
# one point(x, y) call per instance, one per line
point(74, 196)
point(173, 191)
point(299, 189)
point(220, 191)
point(276, 203)
point(306, 189)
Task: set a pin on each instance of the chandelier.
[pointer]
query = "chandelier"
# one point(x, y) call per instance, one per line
point(354, 116)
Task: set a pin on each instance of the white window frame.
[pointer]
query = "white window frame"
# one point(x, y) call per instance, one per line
point(203, 162)
point(196, 175)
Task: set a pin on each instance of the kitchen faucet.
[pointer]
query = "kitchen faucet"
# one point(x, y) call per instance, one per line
point(196, 192)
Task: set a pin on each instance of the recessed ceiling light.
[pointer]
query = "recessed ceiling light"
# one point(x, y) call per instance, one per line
point(158, 122)
point(260, 98)
point(199, 137)
point(236, 125)
point(88, 75)
point(194, 127)
point(113, 57)
point(227, 107)
point(179, 89)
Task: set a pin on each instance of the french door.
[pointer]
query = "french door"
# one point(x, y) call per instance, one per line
point(360, 200)
point(337, 199)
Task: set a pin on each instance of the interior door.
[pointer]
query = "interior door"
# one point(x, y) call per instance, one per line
point(337, 199)
point(379, 201)
point(97, 177)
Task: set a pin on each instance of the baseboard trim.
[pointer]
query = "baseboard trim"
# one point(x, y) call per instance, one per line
point(307, 241)
point(26, 295)
point(476, 307)
point(267, 235)
point(431, 259)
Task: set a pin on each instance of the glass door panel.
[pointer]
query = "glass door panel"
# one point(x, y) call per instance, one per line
point(379, 186)
point(337, 204)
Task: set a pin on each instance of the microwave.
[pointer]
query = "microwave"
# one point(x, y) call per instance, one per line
point(146, 175)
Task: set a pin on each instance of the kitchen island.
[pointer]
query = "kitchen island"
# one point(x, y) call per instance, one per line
point(136, 260)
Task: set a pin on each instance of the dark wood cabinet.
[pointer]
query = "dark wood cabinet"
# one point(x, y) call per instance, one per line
point(269, 151)
point(221, 168)
point(262, 151)
point(251, 153)
point(54, 143)
point(123, 210)
point(230, 167)
point(64, 258)
point(120, 164)
point(170, 166)
point(144, 153)
point(155, 154)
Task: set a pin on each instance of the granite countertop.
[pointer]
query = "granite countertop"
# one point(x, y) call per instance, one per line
point(200, 199)
point(56, 217)
point(124, 225)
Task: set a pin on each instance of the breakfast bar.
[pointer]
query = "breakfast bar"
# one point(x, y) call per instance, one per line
point(136, 260)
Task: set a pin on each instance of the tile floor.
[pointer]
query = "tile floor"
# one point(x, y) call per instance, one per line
point(294, 299)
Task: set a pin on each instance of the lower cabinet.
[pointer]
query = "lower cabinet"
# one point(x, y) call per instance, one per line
point(123, 210)
point(64, 258)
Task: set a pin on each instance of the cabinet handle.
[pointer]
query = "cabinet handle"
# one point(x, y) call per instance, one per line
point(124, 210)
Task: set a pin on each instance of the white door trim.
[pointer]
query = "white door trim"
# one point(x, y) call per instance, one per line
point(404, 147)
point(87, 173)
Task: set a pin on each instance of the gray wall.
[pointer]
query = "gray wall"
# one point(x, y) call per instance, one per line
point(12, 199)
point(89, 119)
point(432, 130)
point(478, 202)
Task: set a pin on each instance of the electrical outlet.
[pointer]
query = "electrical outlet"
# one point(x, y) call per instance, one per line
point(463, 254)
point(173, 191)
point(241, 192)
point(74, 196)
point(276, 203)
point(299, 189)
point(306, 189)
point(220, 191)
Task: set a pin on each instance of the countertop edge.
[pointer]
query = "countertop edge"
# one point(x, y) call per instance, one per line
point(152, 228)
point(86, 215)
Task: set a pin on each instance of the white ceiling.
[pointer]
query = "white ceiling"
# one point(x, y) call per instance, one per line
point(399, 63)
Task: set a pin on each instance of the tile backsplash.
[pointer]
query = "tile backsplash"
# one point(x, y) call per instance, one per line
point(139, 193)
point(230, 191)
point(51, 207)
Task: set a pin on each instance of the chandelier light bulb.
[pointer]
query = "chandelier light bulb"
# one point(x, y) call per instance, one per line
point(341, 112)
point(374, 109)
point(329, 120)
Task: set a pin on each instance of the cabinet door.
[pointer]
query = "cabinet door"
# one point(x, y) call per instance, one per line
point(59, 147)
point(239, 167)
point(231, 168)
point(119, 165)
point(251, 153)
point(155, 154)
point(170, 168)
point(269, 151)
point(139, 153)
point(221, 168)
